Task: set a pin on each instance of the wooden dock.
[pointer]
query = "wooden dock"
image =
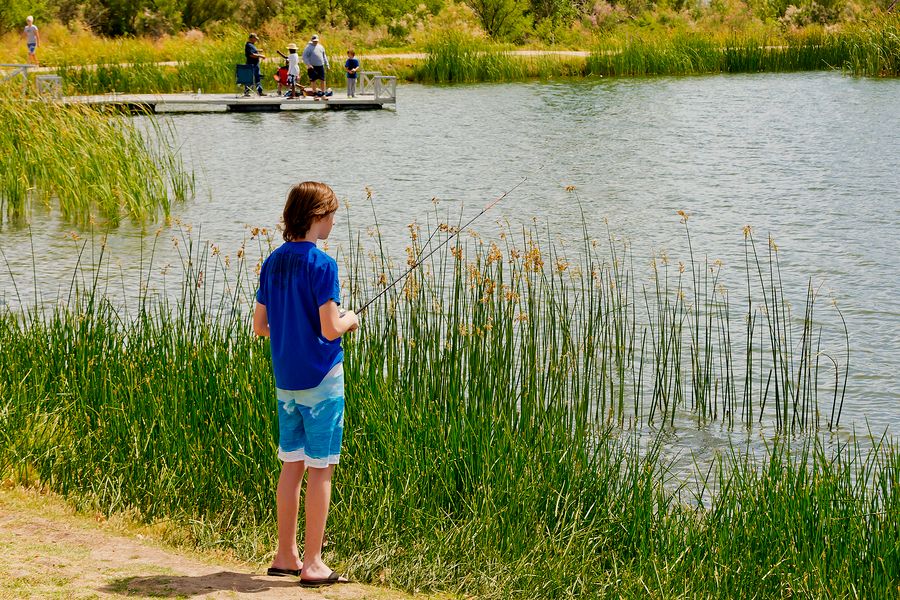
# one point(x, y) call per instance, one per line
point(193, 103)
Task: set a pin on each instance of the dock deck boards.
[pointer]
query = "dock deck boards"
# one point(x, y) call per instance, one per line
point(225, 102)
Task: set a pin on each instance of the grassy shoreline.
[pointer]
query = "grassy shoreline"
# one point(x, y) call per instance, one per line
point(869, 48)
point(483, 453)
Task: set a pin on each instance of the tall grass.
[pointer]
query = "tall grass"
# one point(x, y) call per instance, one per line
point(875, 51)
point(87, 162)
point(869, 48)
point(207, 76)
point(574, 327)
point(482, 449)
point(455, 57)
point(688, 54)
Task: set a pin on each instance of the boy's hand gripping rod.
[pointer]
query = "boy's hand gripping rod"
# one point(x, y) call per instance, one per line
point(421, 259)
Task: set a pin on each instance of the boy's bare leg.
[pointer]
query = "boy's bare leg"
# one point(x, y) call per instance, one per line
point(288, 498)
point(318, 497)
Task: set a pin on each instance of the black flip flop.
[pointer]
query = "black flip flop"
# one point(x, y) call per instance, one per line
point(276, 572)
point(332, 579)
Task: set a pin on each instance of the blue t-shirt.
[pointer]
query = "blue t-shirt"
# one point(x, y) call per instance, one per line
point(351, 63)
point(295, 280)
point(249, 51)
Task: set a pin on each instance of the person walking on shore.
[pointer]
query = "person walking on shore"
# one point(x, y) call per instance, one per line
point(297, 309)
point(316, 61)
point(32, 39)
point(253, 55)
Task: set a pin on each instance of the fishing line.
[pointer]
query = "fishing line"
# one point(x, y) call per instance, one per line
point(452, 235)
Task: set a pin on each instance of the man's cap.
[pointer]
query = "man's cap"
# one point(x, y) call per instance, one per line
point(292, 46)
point(314, 38)
point(253, 35)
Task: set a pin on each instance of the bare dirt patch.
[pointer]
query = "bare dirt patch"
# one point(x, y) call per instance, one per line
point(48, 551)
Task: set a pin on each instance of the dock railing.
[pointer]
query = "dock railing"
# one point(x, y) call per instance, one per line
point(17, 69)
point(48, 84)
point(366, 83)
point(385, 87)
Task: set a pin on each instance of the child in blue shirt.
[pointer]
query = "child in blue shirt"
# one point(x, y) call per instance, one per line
point(352, 67)
point(297, 309)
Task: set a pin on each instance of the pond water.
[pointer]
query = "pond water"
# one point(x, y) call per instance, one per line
point(811, 159)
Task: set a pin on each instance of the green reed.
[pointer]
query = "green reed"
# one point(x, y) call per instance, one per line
point(689, 54)
point(209, 76)
point(456, 57)
point(869, 48)
point(875, 51)
point(483, 453)
point(88, 163)
point(641, 354)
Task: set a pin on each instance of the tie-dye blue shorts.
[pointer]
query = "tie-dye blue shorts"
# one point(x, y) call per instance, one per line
point(311, 422)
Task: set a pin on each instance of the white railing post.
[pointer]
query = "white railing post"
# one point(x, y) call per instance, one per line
point(385, 88)
point(18, 69)
point(366, 83)
point(51, 83)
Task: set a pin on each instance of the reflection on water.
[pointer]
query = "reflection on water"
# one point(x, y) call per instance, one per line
point(811, 159)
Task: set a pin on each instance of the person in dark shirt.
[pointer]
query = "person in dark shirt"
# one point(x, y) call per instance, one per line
point(253, 55)
point(352, 67)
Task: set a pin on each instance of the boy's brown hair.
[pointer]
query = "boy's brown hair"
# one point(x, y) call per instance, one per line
point(306, 202)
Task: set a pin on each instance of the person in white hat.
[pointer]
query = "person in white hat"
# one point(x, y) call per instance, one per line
point(293, 60)
point(316, 61)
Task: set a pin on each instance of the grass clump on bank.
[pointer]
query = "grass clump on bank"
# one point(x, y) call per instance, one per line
point(483, 448)
point(690, 54)
point(146, 77)
point(455, 57)
point(875, 51)
point(87, 162)
point(870, 49)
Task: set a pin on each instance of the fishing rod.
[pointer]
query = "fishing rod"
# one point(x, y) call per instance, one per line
point(452, 235)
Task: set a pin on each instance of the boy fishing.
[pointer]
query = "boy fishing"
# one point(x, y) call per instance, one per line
point(297, 309)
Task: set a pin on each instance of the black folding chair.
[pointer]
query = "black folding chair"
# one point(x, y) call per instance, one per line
point(244, 76)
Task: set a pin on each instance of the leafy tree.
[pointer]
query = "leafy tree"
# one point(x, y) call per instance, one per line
point(114, 17)
point(505, 19)
point(197, 13)
point(161, 16)
point(303, 14)
point(13, 13)
point(254, 12)
point(554, 10)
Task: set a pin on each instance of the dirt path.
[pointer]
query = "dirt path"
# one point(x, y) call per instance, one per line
point(46, 551)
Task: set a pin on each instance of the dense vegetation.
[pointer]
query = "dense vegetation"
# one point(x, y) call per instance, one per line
point(488, 447)
point(547, 21)
point(87, 163)
point(456, 49)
